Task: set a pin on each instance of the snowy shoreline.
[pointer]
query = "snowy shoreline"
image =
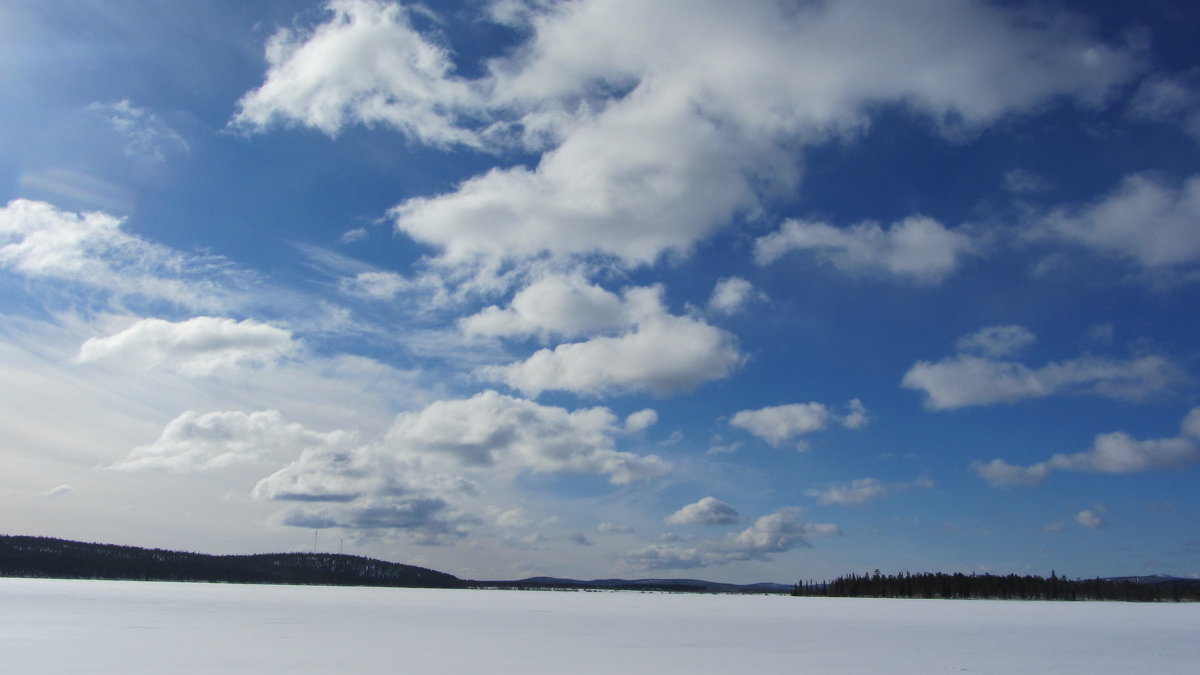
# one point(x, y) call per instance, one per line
point(142, 627)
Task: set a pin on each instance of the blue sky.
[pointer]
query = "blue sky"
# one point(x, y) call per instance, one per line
point(602, 288)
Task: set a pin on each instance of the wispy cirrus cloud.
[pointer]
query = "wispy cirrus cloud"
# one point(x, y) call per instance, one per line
point(41, 241)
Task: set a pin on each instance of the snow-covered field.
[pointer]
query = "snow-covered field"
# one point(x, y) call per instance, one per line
point(56, 626)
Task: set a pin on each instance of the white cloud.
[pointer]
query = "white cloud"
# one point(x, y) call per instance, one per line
point(1173, 99)
point(662, 122)
point(432, 447)
point(1024, 182)
point(1115, 452)
point(856, 492)
point(707, 511)
point(963, 380)
point(641, 420)
point(775, 533)
point(376, 285)
point(665, 354)
point(421, 475)
point(718, 447)
point(491, 429)
point(351, 236)
point(40, 241)
point(515, 517)
point(197, 441)
point(664, 556)
point(565, 305)
point(147, 136)
point(198, 346)
point(730, 295)
point(857, 417)
point(614, 528)
point(1000, 473)
point(1145, 220)
point(366, 65)
point(1089, 519)
point(966, 380)
point(426, 520)
point(862, 491)
point(779, 424)
point(996, 341)
point(916, 248)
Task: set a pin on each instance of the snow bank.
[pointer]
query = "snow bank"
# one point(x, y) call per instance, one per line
point(57, 626)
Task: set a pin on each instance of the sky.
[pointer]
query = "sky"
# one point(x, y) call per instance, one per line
point(737, 291)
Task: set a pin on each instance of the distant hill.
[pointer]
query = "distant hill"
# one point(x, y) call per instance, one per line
point(58, 558)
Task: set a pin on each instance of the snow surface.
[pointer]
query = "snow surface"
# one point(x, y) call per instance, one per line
point(59, 626)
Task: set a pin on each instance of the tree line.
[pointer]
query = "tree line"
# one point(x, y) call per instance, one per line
point(1009, 587)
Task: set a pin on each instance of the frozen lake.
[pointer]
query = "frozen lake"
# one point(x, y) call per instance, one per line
point(57, 626)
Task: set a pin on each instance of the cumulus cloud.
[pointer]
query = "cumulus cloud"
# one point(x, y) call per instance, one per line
point(421, 474)
point(967, 380)
point(773, 533)
point(730, 295)
point(641, 420)
point(707, 511)
point(40, 241)
point(565, 305)
point(365, 65)
point(1000, 473)
point(779, 424)
point(862, 491)
point(1115, 452)
point(198, 346)
point(1145, 220)
point(916, 248)
point(665, 354)
point(197, 441)
point(1089, 519)
point(614, 528)
point(657, 124)
point(491, 429)
point(651, 350)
